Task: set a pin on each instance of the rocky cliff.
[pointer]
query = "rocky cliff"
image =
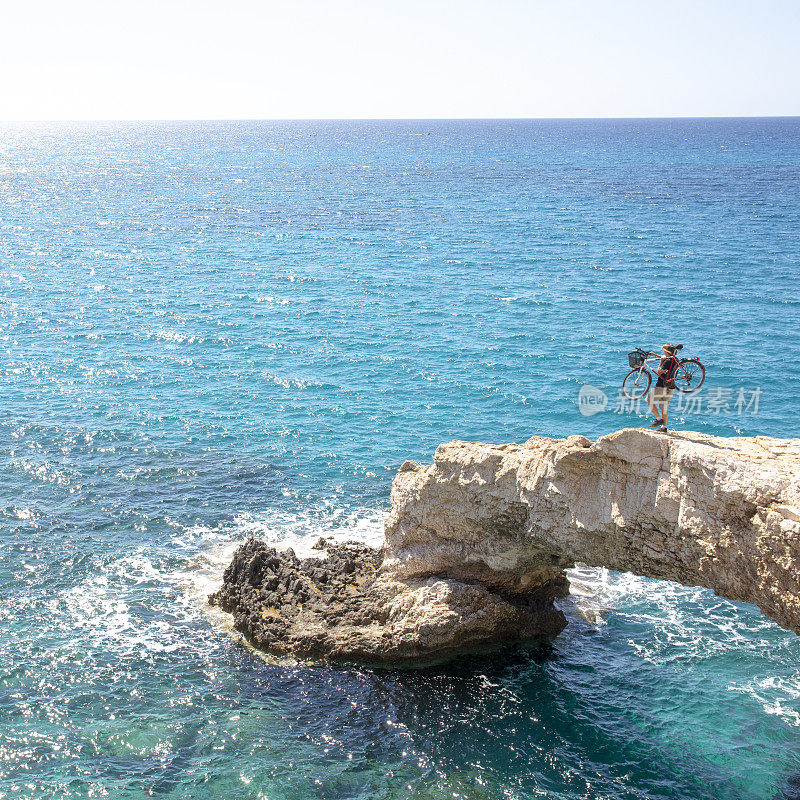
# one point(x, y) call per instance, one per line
point(476, 544)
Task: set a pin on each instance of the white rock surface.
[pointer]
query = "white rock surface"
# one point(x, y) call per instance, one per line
point(700, 510)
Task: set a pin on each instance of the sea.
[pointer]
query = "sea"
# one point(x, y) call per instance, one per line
point(217, 330)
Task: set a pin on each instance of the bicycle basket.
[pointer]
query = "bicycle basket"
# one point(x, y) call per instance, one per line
point(636, 359)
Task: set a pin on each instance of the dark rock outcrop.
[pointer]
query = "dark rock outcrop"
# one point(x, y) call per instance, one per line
point(286, 605)
point(343, 607)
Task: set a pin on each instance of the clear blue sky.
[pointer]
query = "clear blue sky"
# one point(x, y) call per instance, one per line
point(203, 59)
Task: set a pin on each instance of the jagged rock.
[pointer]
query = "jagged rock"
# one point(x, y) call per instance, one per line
point(343, 608)
point(477, 543)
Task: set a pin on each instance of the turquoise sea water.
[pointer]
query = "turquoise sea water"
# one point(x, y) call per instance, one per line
point(213, 330)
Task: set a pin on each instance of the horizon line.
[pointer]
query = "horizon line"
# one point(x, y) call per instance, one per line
point(393, 119)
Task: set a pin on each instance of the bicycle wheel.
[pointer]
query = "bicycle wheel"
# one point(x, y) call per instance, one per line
point(690, 375)
point(636, 384)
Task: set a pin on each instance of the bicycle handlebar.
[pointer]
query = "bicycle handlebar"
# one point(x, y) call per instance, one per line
point(651, 353)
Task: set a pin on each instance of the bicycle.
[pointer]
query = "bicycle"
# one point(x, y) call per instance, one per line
point(688, 377)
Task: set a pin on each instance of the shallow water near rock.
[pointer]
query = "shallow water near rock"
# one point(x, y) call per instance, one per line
point(218, 330)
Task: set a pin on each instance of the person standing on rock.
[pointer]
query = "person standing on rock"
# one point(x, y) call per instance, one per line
point(665, 386)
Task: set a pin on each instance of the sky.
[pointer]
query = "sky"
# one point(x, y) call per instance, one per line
point(261, 59)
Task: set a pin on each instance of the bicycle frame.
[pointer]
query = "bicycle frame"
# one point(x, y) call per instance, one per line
point(681, 377)
point(654, 369)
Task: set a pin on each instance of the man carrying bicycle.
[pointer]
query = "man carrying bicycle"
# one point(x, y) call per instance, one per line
point(665, 386)
point(684, 374)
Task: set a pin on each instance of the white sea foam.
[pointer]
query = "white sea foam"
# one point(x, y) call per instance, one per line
point(688, 624)
point(106, 608)
point(778, 696)
point(301, 531)
point(201, 574)
point(679, 615)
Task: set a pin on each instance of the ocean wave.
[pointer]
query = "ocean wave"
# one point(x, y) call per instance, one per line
point(664, 623)
point(680, 613)
point(120, 610)
point(778, 696)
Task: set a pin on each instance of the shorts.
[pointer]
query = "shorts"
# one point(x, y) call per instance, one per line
point(661, 393)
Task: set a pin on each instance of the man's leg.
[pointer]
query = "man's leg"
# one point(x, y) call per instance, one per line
point(652, 400)
point(666, 397)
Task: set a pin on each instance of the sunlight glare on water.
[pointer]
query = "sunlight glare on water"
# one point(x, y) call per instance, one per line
point(218, 330)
